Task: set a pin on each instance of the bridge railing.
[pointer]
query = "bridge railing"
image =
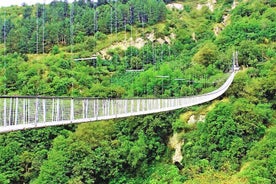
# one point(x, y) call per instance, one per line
point(18, 113)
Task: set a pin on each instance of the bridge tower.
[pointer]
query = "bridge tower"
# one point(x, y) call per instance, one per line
point(235, 61)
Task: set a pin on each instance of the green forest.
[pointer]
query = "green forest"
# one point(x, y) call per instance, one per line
point(149, 49)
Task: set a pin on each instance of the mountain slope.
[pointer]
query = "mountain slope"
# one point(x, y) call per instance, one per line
point(233, 143)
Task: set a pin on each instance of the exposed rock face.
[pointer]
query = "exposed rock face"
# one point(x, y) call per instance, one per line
point(193, 119)
point(138, 43)
point(176, 144)
point(234, 5)
point(176, 6)
point(218, 28)
point(194, 36)
point(201, 118)
point(210, 4)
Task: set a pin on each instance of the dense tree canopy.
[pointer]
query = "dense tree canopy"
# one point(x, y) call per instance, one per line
point(39, 27)
point(234, 143)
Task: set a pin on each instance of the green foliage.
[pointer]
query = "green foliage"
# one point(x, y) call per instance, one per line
point(250, 23)
point(100, 36)
point(137, 152)
point(206, 55)
point(90, 43)
point(22, 153)
point(178, 126)
point(257, 84)
point(238, 135)
point(58, 160)
point(250, 53)
point(3, 179)
point(10, 162)
point(261, 163)
point(165, 173)
point(55, 50)
point(229, 131)
point(100, 152)
point(24, 27)
point(86, 133)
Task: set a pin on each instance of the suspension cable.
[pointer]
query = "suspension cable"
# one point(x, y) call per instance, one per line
point(116, 20)
point(5, 53)
point(125, 22)
point(95, 16)
point(131, 38)
point(143, 35)
point(111, 18)
point(72, 42)
point(116, 26)
point(43, 29)
point(71, 29)
point(37, 32)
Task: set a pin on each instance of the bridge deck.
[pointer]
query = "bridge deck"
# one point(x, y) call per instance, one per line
point(18, 113)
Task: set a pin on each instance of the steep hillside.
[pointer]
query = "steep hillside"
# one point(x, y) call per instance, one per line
point(230, 140)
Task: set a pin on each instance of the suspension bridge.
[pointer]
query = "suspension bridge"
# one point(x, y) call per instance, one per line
point(19, 113)
point(26, 112)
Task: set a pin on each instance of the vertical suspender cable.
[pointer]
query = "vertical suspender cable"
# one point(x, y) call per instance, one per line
point(72, 41)
point(143, 30)
point(72, 113)
point(95, 16)
point(111, 19)
point(5, 86)
point(116, 21)
point(5, 53)
point(125, 42)
point(43, 28)
point(95, 25)
point(37, 32)
point(131, 36)
point(71, 28)
point(116, 25)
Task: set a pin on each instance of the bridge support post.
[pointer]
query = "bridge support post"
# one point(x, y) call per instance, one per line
point(53, 109)
point(94, 101)
point(86, 108)
point(125, 106)
point(138, 105)
point(10, 112)
point(5, 112)
point(83, 108)
point(36, 111)
point(96, 108)
point(72, 110)
point(159, 104)
point(112, 106)
point(57, 110)
point(143, 105)
point(16, 111)
point(24, 111)
point(44, 110)
point(108, 107)
point(131, 106)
